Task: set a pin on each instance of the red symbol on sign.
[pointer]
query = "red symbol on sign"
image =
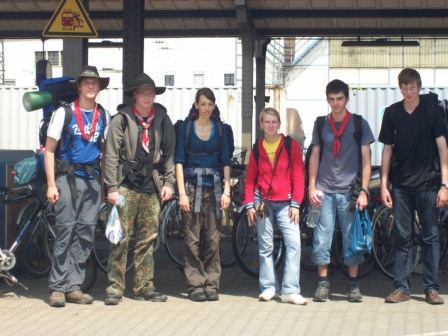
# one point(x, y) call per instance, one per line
point(70, 20)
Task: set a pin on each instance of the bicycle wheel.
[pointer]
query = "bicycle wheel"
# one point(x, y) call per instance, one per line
point(32, 251)
point(338, 253)
point(384, 241)
point(306, 240)
point(173, 235)
point(225, 244)
point(245, 246)
point(443, 236)
point(101, 244)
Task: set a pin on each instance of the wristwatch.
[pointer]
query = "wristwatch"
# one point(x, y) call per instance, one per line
point(366, 190)
point(445, 185)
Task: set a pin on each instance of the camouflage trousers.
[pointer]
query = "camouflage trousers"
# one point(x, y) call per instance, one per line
point(202, 265)
point(140, 214)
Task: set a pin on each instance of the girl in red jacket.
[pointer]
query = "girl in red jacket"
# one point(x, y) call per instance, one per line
point(275, 182)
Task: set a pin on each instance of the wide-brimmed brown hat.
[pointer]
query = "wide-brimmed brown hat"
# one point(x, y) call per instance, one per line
point(89, 71)
point(143, 81)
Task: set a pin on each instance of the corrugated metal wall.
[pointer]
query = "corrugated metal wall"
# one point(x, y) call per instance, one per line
point(19, 129)
point(371, 103)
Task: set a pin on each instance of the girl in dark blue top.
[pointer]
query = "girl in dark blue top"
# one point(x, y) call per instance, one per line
point(202, 161)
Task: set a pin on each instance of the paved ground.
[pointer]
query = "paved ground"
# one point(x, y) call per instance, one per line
point(237, 313)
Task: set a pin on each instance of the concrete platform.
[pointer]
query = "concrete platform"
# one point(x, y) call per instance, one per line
point(238, 312)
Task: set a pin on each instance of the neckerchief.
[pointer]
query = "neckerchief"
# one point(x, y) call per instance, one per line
point(80, 121)
point(145, 124)
point(338, 133)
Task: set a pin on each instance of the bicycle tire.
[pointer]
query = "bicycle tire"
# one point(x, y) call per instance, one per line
point(337, 250)
point(245, 246)
point(33, 253)
point(172, 231)
point(384, 240)
point(91, 274)
point(306, 240)
point(101, 244)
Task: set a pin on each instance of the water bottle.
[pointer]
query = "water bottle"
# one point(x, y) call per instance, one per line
point(314, 213)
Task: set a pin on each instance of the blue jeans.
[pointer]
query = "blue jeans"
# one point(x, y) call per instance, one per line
point(278, 213)
point(405, 204)
point(333, 205)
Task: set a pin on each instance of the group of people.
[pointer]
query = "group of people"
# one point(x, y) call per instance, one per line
point(138, 155)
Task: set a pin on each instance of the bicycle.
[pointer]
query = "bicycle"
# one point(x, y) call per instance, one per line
point(384, 239)
point(34, 242)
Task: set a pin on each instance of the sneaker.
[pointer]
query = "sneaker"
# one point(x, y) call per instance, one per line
point(78, 297)
point(433, 297)
point(397, 296)
point(112, 299)
point(151, 296)
point(57, 300)
point(321, 293)
point(353, 292)
point(267, 295)
point(294, 298)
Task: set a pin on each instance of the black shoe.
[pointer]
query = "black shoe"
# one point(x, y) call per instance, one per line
point(212, 295)
point(151, 296)
point(112, 299)
point(198, 296)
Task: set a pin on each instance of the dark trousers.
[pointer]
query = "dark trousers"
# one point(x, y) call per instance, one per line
point(202, 264)
point(405, 204)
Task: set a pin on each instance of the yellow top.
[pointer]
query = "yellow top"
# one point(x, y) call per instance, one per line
point(271, 148)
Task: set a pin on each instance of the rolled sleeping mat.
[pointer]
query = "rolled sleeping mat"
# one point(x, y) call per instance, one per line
point(36, 100)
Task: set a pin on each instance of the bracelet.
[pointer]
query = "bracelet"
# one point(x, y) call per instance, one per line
point(444, 185)
point(365, 190)
point(228, 195)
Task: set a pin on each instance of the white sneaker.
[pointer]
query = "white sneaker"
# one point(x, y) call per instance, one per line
point(294, 299)
point(267, 295)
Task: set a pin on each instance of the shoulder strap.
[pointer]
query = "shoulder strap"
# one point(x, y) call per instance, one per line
point(288, 143)
point(220, 126)
point(319, 127)
point(188, 134)
point(102, 114)
point(256, 151)
point(358, 137)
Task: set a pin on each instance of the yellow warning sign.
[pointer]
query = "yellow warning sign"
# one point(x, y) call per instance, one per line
point(70, 20)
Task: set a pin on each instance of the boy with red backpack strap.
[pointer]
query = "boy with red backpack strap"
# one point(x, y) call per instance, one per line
point(333, 164)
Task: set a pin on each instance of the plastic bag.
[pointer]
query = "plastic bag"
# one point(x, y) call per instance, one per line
point(360, 241)
point(113, 228)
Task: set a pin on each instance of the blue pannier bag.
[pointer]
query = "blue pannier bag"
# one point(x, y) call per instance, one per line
point(360, 239)
point(28, 170)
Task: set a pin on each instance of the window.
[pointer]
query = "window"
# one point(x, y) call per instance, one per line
point(169, 80)
point(229, 79)
point(199, 80)
point(55, 57)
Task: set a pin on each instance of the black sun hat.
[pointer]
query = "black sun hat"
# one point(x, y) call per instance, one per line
point(89, 71)
point(143, 81)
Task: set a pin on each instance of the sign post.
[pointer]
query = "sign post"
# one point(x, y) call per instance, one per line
point(70, 20)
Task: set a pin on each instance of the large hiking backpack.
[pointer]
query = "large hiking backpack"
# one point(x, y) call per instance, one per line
point(432, 98)
point(221, 127)
point(64, 91)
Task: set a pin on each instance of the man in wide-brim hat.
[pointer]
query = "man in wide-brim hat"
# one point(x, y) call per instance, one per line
point(89, 71)
point(134, 169)
point(143, 81)
point(72, 162)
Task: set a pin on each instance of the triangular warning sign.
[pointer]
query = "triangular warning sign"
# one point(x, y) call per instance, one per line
point(70, 20)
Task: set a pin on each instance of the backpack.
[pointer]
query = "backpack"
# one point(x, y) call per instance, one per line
point(288, 141)
point(64, 91)
point(220, 126)
point(319, 124)
point(432, 98)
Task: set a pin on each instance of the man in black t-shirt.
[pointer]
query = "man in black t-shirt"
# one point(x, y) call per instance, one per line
point(412, 132)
